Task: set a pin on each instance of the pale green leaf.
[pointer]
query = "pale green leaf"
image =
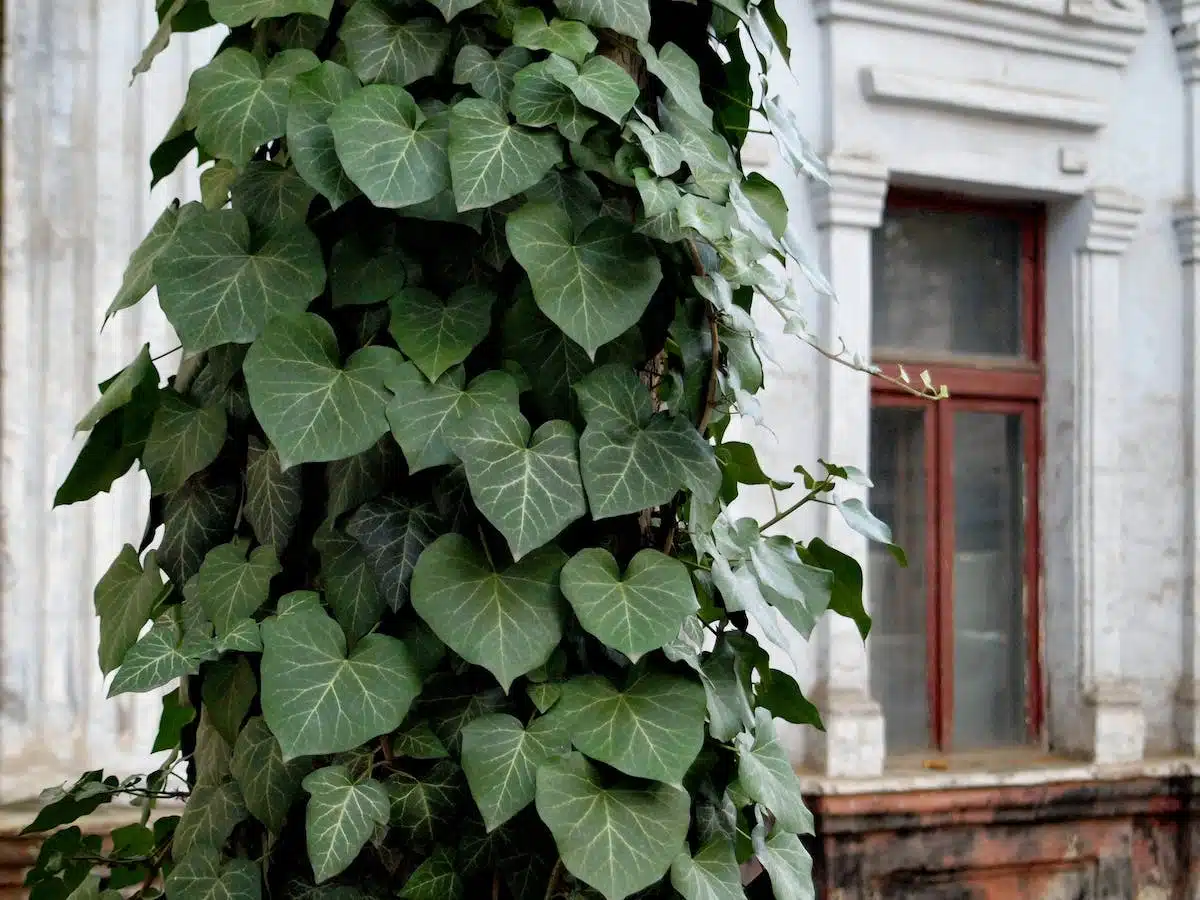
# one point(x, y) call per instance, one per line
point(243, 637)
point(594, 284)
point(451, 8)
point(183, 440)
point(529, 488)
point(228, 689)
point(316, 698)
point(389, 148)
point(790, 137)
point(349, 584)
point(273, 496)
point(619, 839)
point(342, 815)
point(124, 598)
point(425, 807)
point(210, 816)
point(213, 755)
point(629, 17)
point(799, 591)
point(491, 77)
point(571, 40)
point(680, 75)
point(161, 38)
point(501, 757)
point(383, 46)
point(203, 875)
point(712, 221)
point(422, 413)
point(239, 12)
point(788, 865)
point(418, 741)
point(437, 334)
point(598, 84)
point(712, 874)
point(270, 195)
point(236, 106)
point(539, 99)
point(215, 289)
point(653, 729)
point(707, 154)
point(727, 685)
point(437, 878)
point(269, 785)
point(662, 151)
point(392, 533)
point(509, 622)
point(232, 586)
point(315, 95)
point(139, 273)
point(491, 159)
point(767, 777)
point(634, 614)
point(312, 409)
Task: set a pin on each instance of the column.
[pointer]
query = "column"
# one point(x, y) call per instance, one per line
point(846, 211)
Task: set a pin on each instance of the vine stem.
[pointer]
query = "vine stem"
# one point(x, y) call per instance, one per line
point(555, 878)
point(779, 517)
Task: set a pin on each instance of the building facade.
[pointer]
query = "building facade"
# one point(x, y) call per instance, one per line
point(1014, 205)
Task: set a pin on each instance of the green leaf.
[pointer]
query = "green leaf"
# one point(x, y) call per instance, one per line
point(363, 272)
point(634, 614)
point(707, 154)
point(392, 533)
point(767, 777)
point(799, 591)
point(273, 496)
point(571, 40)
point(619, 839)
point(232, 586)
point(239, 12)
point(215, 289)
point(389, 148)
point(629, 17)
point(712, 874)
point(159, 657)
point(311, 408)
point(594, 284)
point(270, 195)
point(422, 808)
point(197, 517)
point(539, 99)
point(544, 696)
point(528, 488)
point(663, 152)
point(203, 875)
point(316, 698)
point(680, 75)
point(236, 105)
point(726, 677)
point(492, 160)
point(315, 95)
point(61, 807)
point(176, 715)
point(183, 440)
point(383, 47)
point(215, 182)
point(553, 361)
point(437, 334)
point(451, 8)
point(788, 865)
point(361, 477)
point(418, 741)
point(501, 757)
point(572, 190)
point(423, 414)
point(778, 692)
point(598, 84)
point(508, 622)
point(653, 729)
point(349, 584)
point(863, 521)
point(491, 77)
point(269, 785)
point(242, 637)
point(846, 598)
point(209, 818)
point(436, 878)
point(124, 598)
point(139, 273)
point(228, 689)
point(633, 460)
point(342, 815)
point(161, 38)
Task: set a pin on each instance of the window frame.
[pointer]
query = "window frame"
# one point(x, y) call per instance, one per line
point(1005, 385)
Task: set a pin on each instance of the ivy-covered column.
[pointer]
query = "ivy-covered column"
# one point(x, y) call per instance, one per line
point(847, 210)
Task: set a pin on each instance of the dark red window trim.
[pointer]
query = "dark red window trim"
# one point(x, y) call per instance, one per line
point(1013, 386)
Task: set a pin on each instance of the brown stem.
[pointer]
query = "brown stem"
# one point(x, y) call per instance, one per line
point(555, 878)
point(710, 400)
point(495, 886)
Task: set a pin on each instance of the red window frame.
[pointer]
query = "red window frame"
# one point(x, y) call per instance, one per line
point(998, 385)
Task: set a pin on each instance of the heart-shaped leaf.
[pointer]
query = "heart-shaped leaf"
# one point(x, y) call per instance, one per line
point(634, 614)
point(680, 75)
point(204, 875)
point(799, 591)
point(316, 698)
point(540, 99)
point(617, 838)
point(767, 777)
point(349, 584)
point(228, 689)
point(159, 657)
point(712, 874)
point(270, 195)
point(528, 488)
point(389, 148)
point(269, 785)
point(437, 334)
point(311, 408)
point(273, 496)
point(183, 440)
point(553, 362)
point(369, 269)
point(341, 817)
point(501, 757)
point(393, 533)
point(594, 284)
point(424, 808)
point(231, 586)
point(384, 48)
point(437, 878)
point(139, 272)
point(572, 40)
point(236, 105)
point(211, 814)
point(509, 622)
point(629, 17)
point(418, 741)
point(491, 159)
point(491, 77)
point(239, 12)
point(422, 413)
point(215, 289)
point(315, 95)
point(124, 598)
point(665, 157)
point(653, 729)
point(451, 8)
point(787, 863)
point(198, 517)
point(598, 84)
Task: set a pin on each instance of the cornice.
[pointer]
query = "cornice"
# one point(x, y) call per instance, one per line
point(1184, 19)
point(1113, 218)
point(854, 195)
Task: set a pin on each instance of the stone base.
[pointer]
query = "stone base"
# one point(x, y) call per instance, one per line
point(1116, 723)
point(853, 744)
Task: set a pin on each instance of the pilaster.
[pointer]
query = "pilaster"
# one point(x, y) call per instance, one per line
point(846, 210)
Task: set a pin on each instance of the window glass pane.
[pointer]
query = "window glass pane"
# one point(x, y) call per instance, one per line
point(897, 642)
point(947, 283)
point(989, 631)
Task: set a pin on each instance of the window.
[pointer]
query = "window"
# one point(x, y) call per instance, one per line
point(957, 290)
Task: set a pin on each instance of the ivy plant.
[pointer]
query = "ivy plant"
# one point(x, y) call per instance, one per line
point(439, 577)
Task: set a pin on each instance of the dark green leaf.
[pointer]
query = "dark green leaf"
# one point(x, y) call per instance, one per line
point(269, 784)
point(273, 496)
point(501, 757)
point(124, 598)
point(491, 159)
point(232, 585)
point(228, 689)
point(315, 95)
point(393, 533)
point(176, 715)
point(183, 440)
point(424, 807)
point(436, 878)
point(437, 334)
point(847, 596)
point(197, 517)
